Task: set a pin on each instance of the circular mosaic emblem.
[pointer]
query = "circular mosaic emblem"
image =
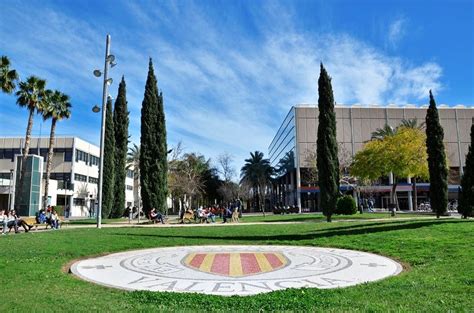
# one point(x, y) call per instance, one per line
point(235, 270)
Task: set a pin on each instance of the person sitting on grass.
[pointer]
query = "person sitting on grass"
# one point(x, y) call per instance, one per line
point(54, 219)
point(156, 216)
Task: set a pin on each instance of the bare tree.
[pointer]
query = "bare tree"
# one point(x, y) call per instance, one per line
point(226, 168)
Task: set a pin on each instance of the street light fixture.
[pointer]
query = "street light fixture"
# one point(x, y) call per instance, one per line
point(109, 59)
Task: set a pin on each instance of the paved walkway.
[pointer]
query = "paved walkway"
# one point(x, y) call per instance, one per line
point(146, 224)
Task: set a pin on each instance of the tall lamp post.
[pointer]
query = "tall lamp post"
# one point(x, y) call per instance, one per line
point(109, 62)
point(10, 190)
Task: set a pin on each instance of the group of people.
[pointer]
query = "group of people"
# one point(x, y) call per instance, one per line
point(367, 203)
point(209, 213)
point(10, 219)
point(49, 217)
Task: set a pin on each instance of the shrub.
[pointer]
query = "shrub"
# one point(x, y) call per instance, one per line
point(346, 206)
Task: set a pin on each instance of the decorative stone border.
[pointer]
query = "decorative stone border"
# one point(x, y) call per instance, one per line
point(235, 270)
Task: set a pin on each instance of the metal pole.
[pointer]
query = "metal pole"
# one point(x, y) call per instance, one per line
point(10, 190)
point(102, 132)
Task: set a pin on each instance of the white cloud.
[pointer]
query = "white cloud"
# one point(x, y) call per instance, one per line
point(223, 90)
point(396, 31)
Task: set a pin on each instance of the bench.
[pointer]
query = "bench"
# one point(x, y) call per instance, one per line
point(32, 221)
point(155, 221)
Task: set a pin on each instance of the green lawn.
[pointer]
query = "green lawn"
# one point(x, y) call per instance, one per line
point(270, 217)
point(439, 255)
point(318, 217)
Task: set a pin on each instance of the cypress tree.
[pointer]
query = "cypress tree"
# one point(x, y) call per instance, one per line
point(466, 200)
point(327, 158)
point(121, 148)
point(153, 153)
point(109, 164)
point(436, 160)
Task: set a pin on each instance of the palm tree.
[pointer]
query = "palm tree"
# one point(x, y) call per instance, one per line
point(383, 132)
point(412, 123)
point(8, 77)
point(257, 172)
point(56, 107)
point(31, 94)
point(133, 162)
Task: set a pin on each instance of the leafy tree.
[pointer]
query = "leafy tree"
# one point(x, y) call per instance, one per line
point(8, 77)
point(109, 163)
point(153, 154)
point(413, 123)
point(438, 168)
point(388, 130)
point(57, 107)
point(31, 94)
point(121, 146)
point(403, 154)
point(327, 155)
point(466, 201)
point(257, 172)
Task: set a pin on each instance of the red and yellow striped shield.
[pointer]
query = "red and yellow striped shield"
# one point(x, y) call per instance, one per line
point(236, 264)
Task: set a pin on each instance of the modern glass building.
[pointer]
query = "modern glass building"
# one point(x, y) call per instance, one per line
point(293, 150)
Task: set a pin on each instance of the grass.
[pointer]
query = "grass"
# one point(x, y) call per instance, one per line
point(439, 254)
point(270, 217)
point(319, 217)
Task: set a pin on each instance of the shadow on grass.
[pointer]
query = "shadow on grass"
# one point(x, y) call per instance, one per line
point(322, 233)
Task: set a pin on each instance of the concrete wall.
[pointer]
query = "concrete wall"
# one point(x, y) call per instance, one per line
point(356, 124)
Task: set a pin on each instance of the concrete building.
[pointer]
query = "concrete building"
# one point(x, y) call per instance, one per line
point(74, 176)
point(293, 149)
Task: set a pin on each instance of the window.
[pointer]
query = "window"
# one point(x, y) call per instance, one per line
point(64, 180)
point(82, 156)
point(80, 177)
point(79, 201)
point(94, 160)
point(129, 187)
point(93, 180)
point(68, 155)
point(130, 174)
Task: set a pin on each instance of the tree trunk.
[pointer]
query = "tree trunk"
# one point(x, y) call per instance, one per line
point(262, 201)
point(394, 204)
point(49, 162)
point(415, 196)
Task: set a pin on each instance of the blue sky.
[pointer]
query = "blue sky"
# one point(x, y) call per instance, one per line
point(230, 70)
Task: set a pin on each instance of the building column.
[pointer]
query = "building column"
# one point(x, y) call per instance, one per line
point(461, 170)
point(298, 188)
point(410, 200)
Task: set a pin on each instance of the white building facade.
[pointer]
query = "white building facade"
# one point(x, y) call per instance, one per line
point(74, 175)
